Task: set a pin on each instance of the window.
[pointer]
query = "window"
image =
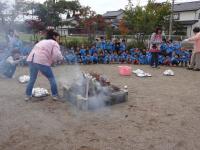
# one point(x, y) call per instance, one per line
point(176, 16)
point(199, 16)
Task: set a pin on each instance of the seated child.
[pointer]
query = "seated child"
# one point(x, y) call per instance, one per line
point(107, 58)
point(148, 57)
point(114, 58)
point(82, 51)
point(167, 61)
point(135, 59)
point(88, 58)
point(129, 58)
point(70, 57)
point(94, 58)
point(109, 46)
point(77, 54)
point(142, 59)
point(170, 48)
point(161, 59)
point(175, 60)
point(102, 43)
point(184, 58)
point(10, 64)
point(164, 47)
point(123, 46)
point(92, 50)
point(122, 57)
point(101, 57)
point(136, 51)
point(132, 51)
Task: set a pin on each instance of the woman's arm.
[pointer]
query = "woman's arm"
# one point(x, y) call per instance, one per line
point(195, 37)
point(56, 53)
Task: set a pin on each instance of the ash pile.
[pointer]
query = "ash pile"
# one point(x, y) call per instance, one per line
point(93, 91)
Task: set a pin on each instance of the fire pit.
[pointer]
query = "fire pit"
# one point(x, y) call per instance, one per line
point(92, 91)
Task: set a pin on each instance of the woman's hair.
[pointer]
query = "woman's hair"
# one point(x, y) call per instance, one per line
point(51, 34)
point(158, 29)
point(154, 46)
point(196, 30)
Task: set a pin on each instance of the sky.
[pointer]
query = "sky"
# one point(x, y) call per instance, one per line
point(101, 6)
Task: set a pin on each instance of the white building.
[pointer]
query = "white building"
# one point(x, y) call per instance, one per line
point(64, 30)
point(188, 14)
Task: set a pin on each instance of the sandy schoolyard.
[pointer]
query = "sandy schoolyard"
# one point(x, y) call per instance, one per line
point(162, 113)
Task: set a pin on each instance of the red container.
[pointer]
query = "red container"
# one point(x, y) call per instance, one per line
point(125, 70)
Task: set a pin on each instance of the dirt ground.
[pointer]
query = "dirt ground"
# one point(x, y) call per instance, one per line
point(162, 113)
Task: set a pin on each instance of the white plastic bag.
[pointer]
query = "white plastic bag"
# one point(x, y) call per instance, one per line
point(138, 71)
point(24, 79)
point(39, 92)
point(141, 73)
point(168, 72)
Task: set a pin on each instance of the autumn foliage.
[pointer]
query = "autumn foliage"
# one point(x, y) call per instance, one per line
point(96, 22)
point(122, 27)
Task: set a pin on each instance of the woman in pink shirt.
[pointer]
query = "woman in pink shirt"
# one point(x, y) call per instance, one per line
point(195, 59)
point(156, 38)
point(43, 54)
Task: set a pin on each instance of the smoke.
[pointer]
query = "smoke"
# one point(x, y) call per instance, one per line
point(84, 88)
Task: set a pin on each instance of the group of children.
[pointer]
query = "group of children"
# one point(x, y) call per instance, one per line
point(107, 52)
point(101, 52)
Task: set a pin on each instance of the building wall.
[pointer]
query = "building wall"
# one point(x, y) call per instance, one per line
point(120, 16)
point(190, 15)
point(197, 14)
point(189, 31)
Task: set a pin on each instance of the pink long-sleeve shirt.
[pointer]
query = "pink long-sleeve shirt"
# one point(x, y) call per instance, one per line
point(45, 53)
point(196, 40)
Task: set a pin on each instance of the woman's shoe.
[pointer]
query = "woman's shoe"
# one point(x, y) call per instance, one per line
point(189, 68)
point(57, 98)
point(27, 98)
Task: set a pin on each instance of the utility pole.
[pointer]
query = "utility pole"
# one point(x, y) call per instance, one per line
point(171, 19)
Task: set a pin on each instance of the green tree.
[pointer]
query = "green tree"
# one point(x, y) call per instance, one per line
point(3, 7)
point(145, 19)
point(46, 13)
point(9, 13)
point(67, 7)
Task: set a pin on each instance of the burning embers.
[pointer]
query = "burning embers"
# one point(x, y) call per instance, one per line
point(93, 90)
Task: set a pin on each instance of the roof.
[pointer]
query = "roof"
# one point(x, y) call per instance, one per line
point(188, 6)
point(113, 13)
point(188, 22)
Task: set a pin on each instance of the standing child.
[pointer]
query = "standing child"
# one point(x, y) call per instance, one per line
point(154, 56)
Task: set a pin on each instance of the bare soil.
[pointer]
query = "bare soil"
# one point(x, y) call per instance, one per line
point(162, 113)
